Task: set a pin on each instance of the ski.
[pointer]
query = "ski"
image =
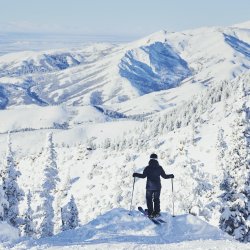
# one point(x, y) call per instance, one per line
point(156, 218)
point(156, 222)
point(160, 220)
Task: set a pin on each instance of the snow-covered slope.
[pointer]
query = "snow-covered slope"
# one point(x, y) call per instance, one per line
point(117, 230)
point(7, 232)
point(244, 25)
point(32, 117)
point(108, 74)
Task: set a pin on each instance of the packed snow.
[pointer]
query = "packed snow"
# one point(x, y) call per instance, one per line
point(116, 229)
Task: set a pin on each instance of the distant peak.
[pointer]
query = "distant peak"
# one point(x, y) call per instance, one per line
point(244, 25)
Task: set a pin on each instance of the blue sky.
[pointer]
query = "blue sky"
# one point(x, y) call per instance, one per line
point(119, 17)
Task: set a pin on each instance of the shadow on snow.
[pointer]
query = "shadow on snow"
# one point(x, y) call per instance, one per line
point(116, 226)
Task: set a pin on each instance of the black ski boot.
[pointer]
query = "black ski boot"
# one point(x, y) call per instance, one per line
point(156, 214)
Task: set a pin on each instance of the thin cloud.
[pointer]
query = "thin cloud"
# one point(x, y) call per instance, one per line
point(30, 27)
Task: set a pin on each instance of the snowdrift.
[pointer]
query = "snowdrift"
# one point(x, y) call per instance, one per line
point(7, 232)
point(116, 229)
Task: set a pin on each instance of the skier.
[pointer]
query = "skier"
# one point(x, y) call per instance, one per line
point(153, 188)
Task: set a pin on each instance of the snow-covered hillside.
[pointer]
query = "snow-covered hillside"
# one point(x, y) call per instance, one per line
point(108, 74)
point(117, 230)
point(182, 95)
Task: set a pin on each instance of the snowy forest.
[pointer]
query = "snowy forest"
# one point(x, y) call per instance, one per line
point(50, 207)
point(39, 223)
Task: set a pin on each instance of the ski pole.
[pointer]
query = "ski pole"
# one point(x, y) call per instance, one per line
point(132, 197)
point(173, 195)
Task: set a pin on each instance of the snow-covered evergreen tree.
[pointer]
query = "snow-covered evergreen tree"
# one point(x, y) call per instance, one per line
point(221, 146)
point(106, 143)
point(29, 229)
point(61, 198)
point(199, 185)
point(3, 203)
point(49, 190)
point(235, 211)
point(13, 193)
point(69, 215)
point(91, 145)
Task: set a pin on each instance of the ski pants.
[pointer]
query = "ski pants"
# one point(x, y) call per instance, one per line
point(153, 196)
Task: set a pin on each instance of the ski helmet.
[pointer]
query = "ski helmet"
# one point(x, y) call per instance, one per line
point(153, 156)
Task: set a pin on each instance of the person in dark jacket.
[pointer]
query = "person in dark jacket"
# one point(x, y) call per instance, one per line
point(153, 188)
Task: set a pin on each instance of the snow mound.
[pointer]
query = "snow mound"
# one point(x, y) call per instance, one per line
point(137, 228)
point(7, 232)
point(117, 227)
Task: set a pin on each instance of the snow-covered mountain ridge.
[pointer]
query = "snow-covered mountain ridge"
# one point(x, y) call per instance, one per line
point(109, 74)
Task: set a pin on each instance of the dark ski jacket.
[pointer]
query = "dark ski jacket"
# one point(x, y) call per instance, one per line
point(153, 172)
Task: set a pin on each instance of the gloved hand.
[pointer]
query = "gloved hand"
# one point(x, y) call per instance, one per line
point(134, 174)
point(171, 176)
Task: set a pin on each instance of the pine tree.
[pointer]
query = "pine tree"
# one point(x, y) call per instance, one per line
point(49, 189)
point(91, 145)
point(62, 196)
point(221, 147)
point(235, 211)
point(13, 193)
point(69, 214)
point(29, 228)
point(3, 203)
point(106, 143)
point(196, 186)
